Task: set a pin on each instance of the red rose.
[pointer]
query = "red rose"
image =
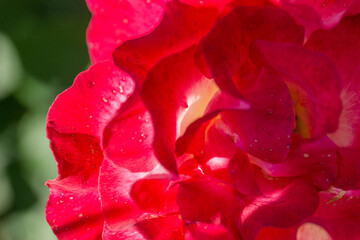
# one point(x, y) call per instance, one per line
point(211, 120)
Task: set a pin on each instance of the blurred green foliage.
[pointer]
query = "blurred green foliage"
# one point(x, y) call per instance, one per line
point(42, 49)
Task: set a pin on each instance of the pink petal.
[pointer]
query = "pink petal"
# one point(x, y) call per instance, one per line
point(315, 160)
point(318, 14)
point(243, 174)
point(313, 81)
point(114, 22)
point(343, 47)
point(181, 27)
point(128, 139)
point(176, 94)
point(206, 200)
point(209, 136)
point(338, 214)
point(130, 203)
point(73, 208)
point(265, 130)
point(204, 231)
point(226, 46)
point(91, 101)
point(349, 170)
point(284, 208)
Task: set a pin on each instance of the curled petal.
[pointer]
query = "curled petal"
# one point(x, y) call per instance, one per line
point(176, 94)
point(265, 129)
point(313, 80)
point(226, 46)
point(181, 27)
point(343, 47)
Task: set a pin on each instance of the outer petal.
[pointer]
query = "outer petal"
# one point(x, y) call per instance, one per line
point(284, 208)
point(181, 27)
point(343, 47)
point(128, 139)
point(338, 215)
point(74, 126)
point(73, 209)
point(114, 22)
point(132, 210)
point(226, 46)
point(93, 99)
point(313, 80)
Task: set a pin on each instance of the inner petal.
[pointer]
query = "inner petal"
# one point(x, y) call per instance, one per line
point(197, 100)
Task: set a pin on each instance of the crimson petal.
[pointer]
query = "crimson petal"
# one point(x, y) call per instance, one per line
point(175, 93)
point(338, 215)
point(114, 22)
point(343, 47)
point(181, 27)
point(313, 81)
point(265, 130)
point(226, 46)
point(349, 169)
point(284, 208)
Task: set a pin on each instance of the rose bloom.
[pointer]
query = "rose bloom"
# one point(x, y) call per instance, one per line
point(211, 120)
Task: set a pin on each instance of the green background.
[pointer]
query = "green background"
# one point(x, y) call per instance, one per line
point(42, 49)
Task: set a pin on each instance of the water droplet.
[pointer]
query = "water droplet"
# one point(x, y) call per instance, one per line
point(80, 215)
point(121, 89)
point(148, 1)
point(105, 100)
point(306, 155)
point(255, 140)
point(90, 116)
point(125, 20)
point(270, 150)
point(71, 198)
point(329, 155)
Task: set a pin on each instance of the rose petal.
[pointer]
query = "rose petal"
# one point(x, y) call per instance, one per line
point(343, 47)
point(114, 22)
point(187, 93)
point(349, 169)
point(313, 81)
point(93, 99)
point(317, 14)
point(73, 208)
point(207, 136)
point(226, 46)
point(128, 139)
point(265, 130)
point(338, 214)
point(315, 160)
point(181, 27)
point(204, 231)
point(243, 174)
point(207, 200)
point(284, 208)
point(128, 205)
